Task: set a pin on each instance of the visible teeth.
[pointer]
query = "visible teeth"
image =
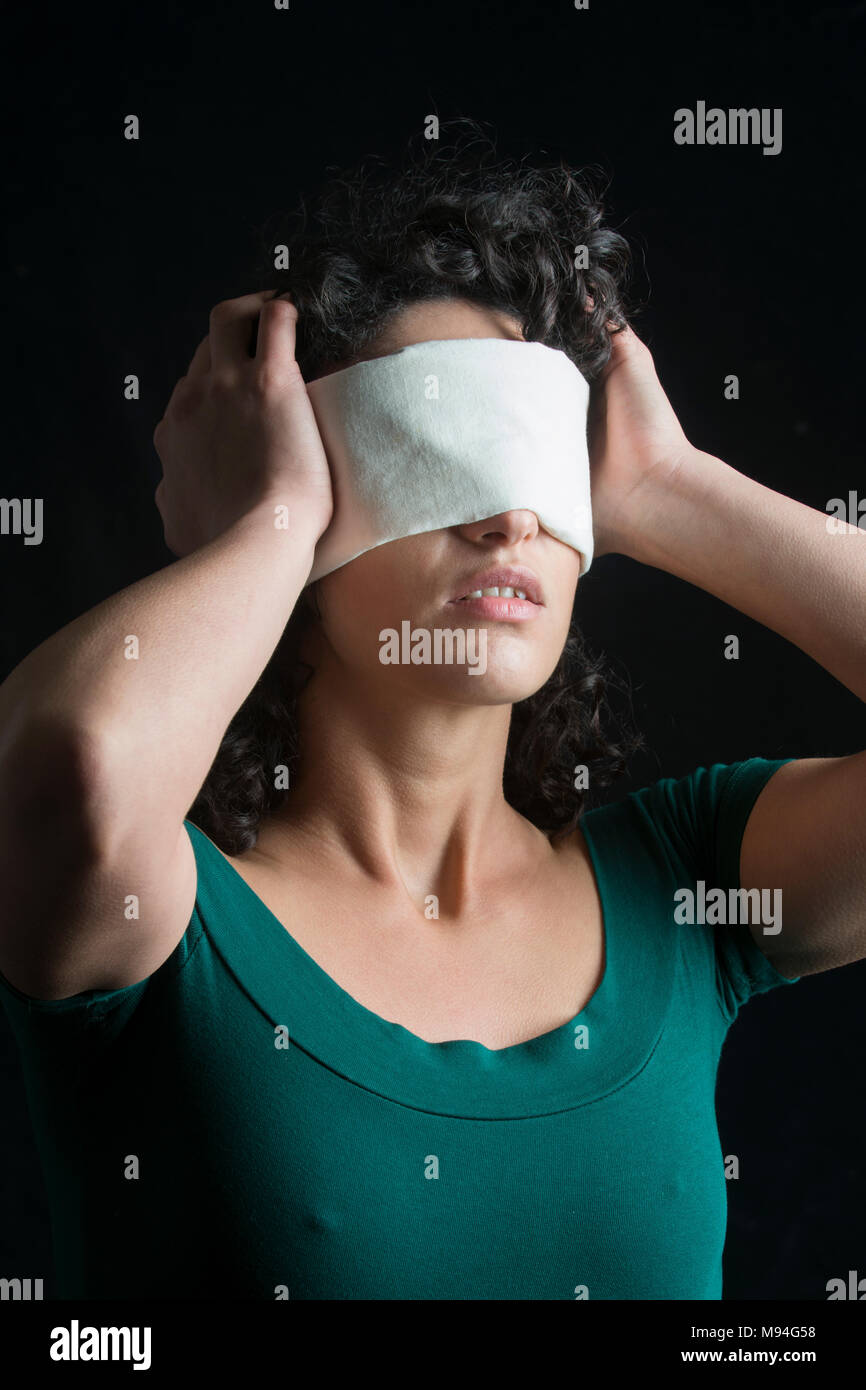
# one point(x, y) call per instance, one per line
point(501, 592)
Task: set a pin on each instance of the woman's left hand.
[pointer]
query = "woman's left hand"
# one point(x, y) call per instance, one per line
point(633, 434)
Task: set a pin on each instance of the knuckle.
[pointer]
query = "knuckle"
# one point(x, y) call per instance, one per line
point(179, 388)
point(279, 383)
point(188, 394)
point(184, 400)
point(269, 380)
point(221, 312)
point(223, 383)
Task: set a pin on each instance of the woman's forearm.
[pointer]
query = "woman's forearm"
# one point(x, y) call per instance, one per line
point(765, 554)
point(142, 687)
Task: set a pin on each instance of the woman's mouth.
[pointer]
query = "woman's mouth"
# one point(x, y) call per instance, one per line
point(496, 592)
point(498, 603)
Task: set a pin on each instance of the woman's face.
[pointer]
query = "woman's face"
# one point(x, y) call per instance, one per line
point(407, 596)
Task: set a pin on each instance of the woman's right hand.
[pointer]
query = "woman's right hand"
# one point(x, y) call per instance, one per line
point(239, 431)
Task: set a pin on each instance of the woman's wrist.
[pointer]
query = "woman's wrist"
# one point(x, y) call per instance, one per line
point(660, 517)
point(286, 514)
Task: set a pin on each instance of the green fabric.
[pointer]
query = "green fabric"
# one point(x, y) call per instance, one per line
point(362, 1162)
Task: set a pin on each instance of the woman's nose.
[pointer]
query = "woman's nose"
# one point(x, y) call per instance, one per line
point(512, 526)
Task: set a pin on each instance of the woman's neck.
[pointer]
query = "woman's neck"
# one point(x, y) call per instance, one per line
point(404, 793)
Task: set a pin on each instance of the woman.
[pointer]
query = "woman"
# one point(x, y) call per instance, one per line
point(388, 1013)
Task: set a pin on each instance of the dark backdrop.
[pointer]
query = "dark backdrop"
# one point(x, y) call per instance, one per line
point(748, 263)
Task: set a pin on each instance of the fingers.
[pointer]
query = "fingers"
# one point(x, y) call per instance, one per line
point(276, 341)
point(625, 346)
point(231, 325)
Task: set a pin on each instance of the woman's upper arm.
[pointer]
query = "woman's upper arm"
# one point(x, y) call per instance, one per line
point(82, 909)
point(806, 837)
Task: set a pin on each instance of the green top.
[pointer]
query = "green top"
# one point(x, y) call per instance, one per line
point(191, 1151)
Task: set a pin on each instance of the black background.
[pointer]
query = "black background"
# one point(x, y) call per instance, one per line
point(748, 264)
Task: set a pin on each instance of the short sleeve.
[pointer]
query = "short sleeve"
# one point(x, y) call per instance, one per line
point(56, 1036)
point(60, 1022)
point(700, 820)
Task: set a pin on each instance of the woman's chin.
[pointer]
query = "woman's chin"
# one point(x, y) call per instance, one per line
point(480, 683)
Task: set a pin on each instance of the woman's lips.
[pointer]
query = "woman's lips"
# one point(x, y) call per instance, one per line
point(513, 610)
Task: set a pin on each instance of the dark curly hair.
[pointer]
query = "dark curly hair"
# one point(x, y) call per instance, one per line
point(455, 221)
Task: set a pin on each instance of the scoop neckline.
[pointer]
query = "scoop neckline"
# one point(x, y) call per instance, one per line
point(548, 1071)
point(328, 980)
